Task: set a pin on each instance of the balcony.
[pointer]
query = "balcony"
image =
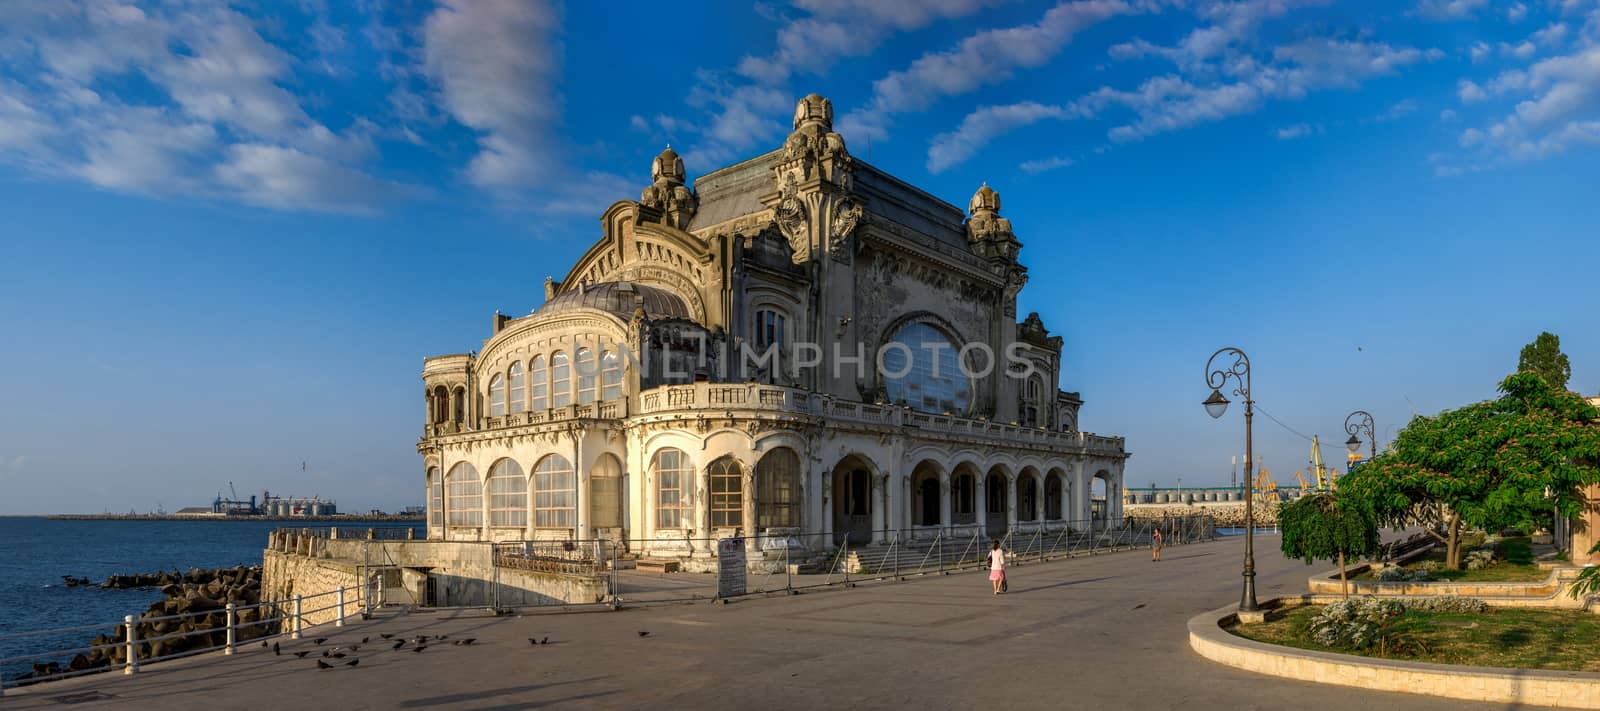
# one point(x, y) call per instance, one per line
point(674, 398)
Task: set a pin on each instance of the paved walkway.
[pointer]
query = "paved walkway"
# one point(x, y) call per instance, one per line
point(1099, 632)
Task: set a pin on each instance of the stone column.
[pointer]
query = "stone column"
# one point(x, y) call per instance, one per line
point(645, 485)
point(581, 492)
point(980, 503)
point(1011, 501)
point(1080, 495)
point(750, 530)
point(825, 504)
point(945, 495)
point(1586, 529)
point(702, 547)
point(880, 507)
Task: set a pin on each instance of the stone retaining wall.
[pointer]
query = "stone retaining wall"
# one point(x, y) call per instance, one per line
point(1550, 592)
point(285, 575)
point(1503, 686)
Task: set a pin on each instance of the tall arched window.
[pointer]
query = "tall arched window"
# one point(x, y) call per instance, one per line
point(463, 502)
point(727, 493)
point(769, 328)
point(586, 376)
point(435, 498)
point(674, 489)
point(963, 504)
point(538, 384)
point(1033, 402)
point(1052, 497)
point(458, 406)
point(508, 494)
point(517, 395)
point(922, 368)
point(555, 493)
point(778, 489)
point(497, 395)
point(560, 380)
point(1027, 498)
point(610, 376)
point(605, 493)
point(441, 405)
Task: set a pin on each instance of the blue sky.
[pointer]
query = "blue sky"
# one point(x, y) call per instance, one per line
point(232, 231)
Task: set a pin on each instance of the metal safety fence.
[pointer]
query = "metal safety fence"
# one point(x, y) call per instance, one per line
point(130, 647)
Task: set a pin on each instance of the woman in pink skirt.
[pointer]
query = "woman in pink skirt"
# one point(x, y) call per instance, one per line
point(997, 566)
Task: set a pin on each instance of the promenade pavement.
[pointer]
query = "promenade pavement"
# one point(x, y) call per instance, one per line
point(1105, 631)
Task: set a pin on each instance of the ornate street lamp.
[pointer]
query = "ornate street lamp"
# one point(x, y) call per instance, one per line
point(1217, 378)
point(1356, 423)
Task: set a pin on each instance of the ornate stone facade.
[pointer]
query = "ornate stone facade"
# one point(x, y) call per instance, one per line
point(629, 405)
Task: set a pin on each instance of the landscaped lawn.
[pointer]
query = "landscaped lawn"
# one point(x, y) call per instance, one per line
point(1523, 639)
point(1515, 557)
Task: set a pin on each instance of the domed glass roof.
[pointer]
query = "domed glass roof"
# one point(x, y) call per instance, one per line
point(620, 298)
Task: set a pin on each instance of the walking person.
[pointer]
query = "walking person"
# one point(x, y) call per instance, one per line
point(1156, 539)
point(997, 567)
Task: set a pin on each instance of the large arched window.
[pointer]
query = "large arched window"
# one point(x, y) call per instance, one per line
point(560, 380)
point(517, 395)
point(605, 492)
point(610, 376)
point(586, 376)
point(555, 489)
point(508, 495)
point(769, 328)
point(924, 370)
point(463, 502)
point(435, 498)
point(497, 395)
point(674, 489)
point(538, 384)
point(778, 489)
point(727, 493)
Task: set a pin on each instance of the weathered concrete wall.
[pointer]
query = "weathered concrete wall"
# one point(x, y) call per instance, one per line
point(286, 575)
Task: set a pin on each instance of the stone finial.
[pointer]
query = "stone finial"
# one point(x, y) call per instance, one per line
point(985, 200)
point(814, 110)
point(667, 191)
point(669, 166)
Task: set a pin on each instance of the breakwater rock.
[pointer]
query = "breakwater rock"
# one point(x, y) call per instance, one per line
point(1227, 515)
point(200, 596)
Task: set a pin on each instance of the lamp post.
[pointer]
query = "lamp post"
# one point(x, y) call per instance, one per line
point(1217, 378)
point(1357, 422)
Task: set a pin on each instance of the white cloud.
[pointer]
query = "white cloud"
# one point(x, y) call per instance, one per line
point(1447, 116)
point(1034, 167)
point(71, 110)
point(1562, 98)
point(1516, 13)
point(279, 177)
point(1173, 102)
point(1449, 9)
point(985, 58)
point(1299, 130)
point(1470, 92)
point(1480, 51)
point(982, 126)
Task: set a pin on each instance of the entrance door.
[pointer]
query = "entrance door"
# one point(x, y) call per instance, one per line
point(852, 507)
point(995, 512)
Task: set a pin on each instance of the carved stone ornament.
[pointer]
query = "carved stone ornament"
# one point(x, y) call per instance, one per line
point(791, 219)
point(667, 191)
point(988, 233)
point(847, 214)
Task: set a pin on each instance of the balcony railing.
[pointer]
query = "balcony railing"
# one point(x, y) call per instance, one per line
point(675, 398)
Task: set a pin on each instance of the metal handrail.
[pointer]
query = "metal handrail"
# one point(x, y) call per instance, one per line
point(131, 640)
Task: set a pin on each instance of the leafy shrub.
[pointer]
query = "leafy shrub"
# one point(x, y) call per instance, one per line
point(1480, 559)
point(1398, 574)
point(1357, 623)
point(1446, 603)
point(1430, 566)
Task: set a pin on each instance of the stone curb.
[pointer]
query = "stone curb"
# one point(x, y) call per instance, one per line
point(1508, 686)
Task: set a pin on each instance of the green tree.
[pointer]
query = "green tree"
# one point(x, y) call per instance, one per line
point(1543, 357)
point(1328, 526)
point(1512, 461)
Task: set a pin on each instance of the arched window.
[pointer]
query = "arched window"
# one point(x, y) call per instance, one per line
point(610, 376)
point(538, 384)
point(458, 407)
point(463, 502)
point(555, 489)
point(1033, 402)
point(605, 493)
point(727, 493)
point(440, 405)
point(560, 380)
point(1052, 497)
point(586, 376)
point(674, 489)
point(769, 328)
point(778, 489)
point(1027, 498)
point(926, 372)
point(963, 504)
point(435, 498)
point(497, 395)
point(508, 495)
point(517, 396)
